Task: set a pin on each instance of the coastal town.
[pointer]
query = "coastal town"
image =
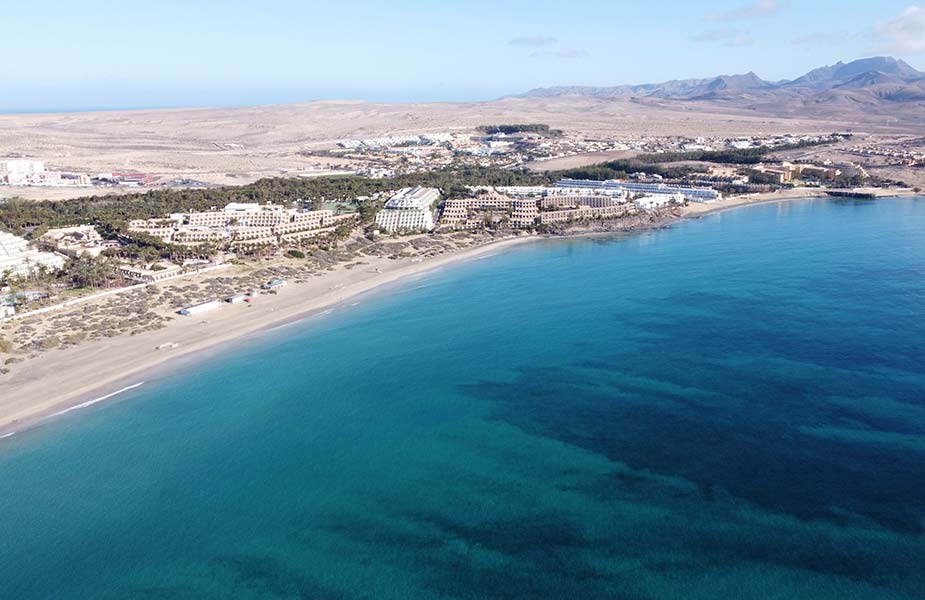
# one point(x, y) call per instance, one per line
point(532, 146)
point(40, 263)
point(171, 263)
point(214, 238)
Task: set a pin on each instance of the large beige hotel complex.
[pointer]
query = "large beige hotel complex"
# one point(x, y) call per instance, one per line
point(243, 225)
point(413, 209)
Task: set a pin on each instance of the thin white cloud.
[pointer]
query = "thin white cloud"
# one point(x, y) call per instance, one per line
point(820, 38)
point(715, 35)
point(904, 34)
point(563, 53)
point(740, 39)
point(728, 37)
point(752, 10)
point(532, 40)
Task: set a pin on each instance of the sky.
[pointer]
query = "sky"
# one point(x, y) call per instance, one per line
point(97, 54)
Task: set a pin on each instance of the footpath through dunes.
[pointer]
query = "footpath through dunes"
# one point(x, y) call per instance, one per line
point(730, 407)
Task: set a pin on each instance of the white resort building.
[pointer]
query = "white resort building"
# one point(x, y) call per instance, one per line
point(242, 225)
point(77, 241)
point(694, 194)
point(529, 206)
point(151, 273)
point(19, 257)
point(409, 209)
point(655, 201)
point(19, 172)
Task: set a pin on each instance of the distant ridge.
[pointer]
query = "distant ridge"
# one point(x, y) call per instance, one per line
point(869, 81)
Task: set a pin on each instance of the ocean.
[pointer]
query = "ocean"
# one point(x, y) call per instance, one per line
point(733, 407)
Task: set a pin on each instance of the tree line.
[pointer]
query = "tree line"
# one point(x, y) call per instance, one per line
point(734, 156)
point(111, 213)
point(659, 163)
point(519, 128)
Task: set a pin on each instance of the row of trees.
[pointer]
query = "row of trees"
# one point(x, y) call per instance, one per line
point(620, 169)
point(81, 272)
point(92, 272)
point(735, 156)
point(660, 163)
point(111, 213)
point(520, 128)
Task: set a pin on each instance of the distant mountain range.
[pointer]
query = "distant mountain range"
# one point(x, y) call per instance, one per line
point(866, 82)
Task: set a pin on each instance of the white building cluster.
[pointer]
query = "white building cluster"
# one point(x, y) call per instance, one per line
point(390, 141)
point(531, 206)
point(656, 201)
point(76, 241)
point(242, 225)
point(20, 258)
point(409, 209)
point(34, 173)
point(151, 272)
point(693, 194)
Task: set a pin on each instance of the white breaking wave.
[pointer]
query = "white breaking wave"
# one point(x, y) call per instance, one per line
point(96, 400)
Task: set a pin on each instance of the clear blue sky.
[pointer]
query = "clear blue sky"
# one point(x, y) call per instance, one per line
point(72, 54)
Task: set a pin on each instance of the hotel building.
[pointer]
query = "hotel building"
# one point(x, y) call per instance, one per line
point(528, 206)
point(655, 201)
point(689, 193)
point(242, 225)
point(19, 257)
point(77, 241)
point(524, 212)
point(409, 209)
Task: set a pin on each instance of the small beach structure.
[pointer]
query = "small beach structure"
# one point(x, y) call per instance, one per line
point(238, 299)
point(7, 310)
point(199, 308)
point(273, 284)
point(653, 201)
point(18, 256)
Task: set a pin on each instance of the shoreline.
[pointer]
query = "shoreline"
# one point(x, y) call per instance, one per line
point(141, 356)
point(141, 359)
point(698, 210)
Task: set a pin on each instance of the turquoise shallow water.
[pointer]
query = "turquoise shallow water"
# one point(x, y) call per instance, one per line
point(732, 408)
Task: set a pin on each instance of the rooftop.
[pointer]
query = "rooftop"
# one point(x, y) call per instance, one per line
point(413, 198)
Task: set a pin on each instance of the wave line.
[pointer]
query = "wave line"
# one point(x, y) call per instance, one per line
point(96, 400)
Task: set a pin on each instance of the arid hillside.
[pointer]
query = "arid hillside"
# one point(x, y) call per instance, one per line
point(236, 145)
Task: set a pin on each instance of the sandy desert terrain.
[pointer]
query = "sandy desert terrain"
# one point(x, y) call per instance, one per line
point(239, 145)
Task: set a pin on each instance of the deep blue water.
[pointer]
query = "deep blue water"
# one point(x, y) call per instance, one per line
point(731, 408)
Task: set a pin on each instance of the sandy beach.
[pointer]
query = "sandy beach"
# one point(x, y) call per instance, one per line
point(698, 209)
point(67, 378)
point(801, 193)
